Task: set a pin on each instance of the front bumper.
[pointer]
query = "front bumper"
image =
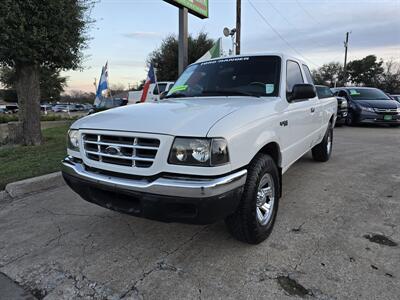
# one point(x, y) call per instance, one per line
point(374, 118)
point(165, 198)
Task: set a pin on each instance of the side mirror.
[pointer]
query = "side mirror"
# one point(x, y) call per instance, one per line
point(302, 91)
point(163, 95)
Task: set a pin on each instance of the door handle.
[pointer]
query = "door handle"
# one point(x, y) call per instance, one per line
point(312, 109)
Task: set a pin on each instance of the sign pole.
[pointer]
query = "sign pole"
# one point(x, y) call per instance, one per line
point(183, 39)
point(238, 25)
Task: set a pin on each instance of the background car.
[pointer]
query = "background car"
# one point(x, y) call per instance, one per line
point(369, 105)
point(325, 92)
point(396, 97)
point(108, 103)
point(12, 108)
point(59, 107)
point(46, 107)
point(70, 108)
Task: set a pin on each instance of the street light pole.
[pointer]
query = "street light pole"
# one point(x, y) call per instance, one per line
point(183, 39)
point(238, 24)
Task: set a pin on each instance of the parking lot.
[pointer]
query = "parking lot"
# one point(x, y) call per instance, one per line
point(335, 238)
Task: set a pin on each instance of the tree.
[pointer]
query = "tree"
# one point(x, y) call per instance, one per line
point(165, 58)
point(366, 71)
point(117, 88)
point(9, 95)
point(40, 34)
point(328, 74)
point(51, 83)
point(78, 97)
point(389, 80)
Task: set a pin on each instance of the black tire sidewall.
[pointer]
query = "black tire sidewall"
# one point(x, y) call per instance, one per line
point(261, 165)
point(350, 119)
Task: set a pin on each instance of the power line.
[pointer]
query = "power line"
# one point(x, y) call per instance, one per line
point(293, 25)
point(279, 35)
point(280, 14)
point(289, 22)
point(307, 12)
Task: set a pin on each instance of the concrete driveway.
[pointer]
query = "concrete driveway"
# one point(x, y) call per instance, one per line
point(335, 238)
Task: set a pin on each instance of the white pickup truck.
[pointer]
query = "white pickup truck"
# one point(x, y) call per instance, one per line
point(153, 94)
point(215, 148)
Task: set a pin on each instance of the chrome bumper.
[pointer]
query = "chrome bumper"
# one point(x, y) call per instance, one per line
point(187, 187)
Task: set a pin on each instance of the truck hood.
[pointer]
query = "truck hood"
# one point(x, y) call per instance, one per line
point(179, 117)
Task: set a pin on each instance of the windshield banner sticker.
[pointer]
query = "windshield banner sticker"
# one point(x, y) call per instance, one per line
point(226, 60)
point(178, 88)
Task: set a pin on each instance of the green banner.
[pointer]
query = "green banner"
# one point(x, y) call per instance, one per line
point(196, 7)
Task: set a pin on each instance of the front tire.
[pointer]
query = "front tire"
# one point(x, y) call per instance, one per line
point(350, 119)
point(254, 218)
point(322, 151)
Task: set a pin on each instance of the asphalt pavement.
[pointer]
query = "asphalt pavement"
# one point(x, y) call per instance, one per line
point(336, 237)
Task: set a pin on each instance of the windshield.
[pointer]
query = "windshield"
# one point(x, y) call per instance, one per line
point(367, 94)
point(323, 92)
point(251, 76)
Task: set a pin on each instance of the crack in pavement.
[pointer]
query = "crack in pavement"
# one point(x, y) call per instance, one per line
point(160, 266)
point(75, 215)
point(302, 260)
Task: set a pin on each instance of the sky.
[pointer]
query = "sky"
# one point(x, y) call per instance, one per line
point(126, 31)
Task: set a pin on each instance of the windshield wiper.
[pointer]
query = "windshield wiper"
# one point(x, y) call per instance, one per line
point(176, 95)
point(229, 93)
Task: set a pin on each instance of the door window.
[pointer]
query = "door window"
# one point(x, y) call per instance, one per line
point(308, 74)
point(293, 75)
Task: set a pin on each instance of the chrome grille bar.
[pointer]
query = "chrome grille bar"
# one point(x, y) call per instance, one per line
point(124, 145)
point(120, 156)
point(386, 110)
point(120, 150)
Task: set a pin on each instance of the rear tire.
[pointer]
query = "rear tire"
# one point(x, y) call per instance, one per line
point(322, 151)
point(253, 220)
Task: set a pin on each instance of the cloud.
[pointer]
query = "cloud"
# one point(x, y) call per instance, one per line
point(143, 35)
point(128, 63)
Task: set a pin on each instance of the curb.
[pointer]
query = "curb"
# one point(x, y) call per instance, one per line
point(32, 185)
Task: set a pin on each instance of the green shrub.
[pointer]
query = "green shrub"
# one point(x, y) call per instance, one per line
point(51, 117)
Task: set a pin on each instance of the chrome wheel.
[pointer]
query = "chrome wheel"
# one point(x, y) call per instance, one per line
point(265, 199)
point(329, 142)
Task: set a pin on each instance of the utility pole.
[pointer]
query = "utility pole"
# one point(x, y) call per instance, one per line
point(183, 39)
point(346, 44)
point(238, 24)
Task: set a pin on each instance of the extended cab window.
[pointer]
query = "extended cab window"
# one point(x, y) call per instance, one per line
point(293, 75)
point(249, 76)
point(308, 74)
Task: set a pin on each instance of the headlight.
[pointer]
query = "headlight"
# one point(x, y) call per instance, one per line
point(398, 110)
point(73, 140)
point(344, 104)
point(199, 152)
point(369, 109)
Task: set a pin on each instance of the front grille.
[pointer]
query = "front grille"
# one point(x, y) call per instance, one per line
point(121, 150)
point(386, 110)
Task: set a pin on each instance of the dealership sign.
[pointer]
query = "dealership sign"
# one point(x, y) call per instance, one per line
point(198, 8)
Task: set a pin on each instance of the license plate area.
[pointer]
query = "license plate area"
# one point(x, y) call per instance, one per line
point(387, 117)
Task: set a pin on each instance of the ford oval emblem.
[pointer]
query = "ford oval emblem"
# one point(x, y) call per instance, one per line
point(113, 150)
